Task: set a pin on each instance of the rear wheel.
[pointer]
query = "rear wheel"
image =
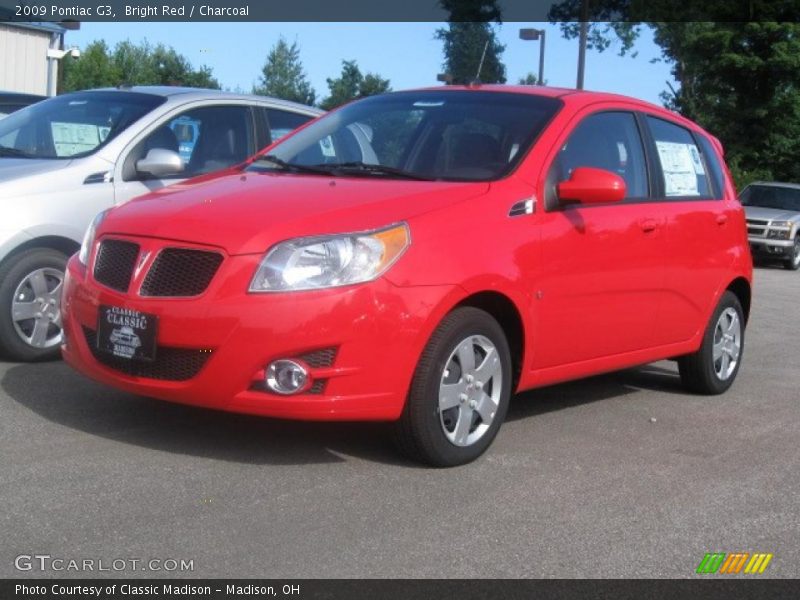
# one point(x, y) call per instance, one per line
point(460, 392)
point(30, 304)
point(713, 368)
point(793, 264)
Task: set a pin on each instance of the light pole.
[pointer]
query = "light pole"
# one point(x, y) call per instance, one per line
point(533, 35)
point(584, 31)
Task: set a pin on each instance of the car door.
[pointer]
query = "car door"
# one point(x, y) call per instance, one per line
point(202, 139)
point(601, 278)
point(700, 245)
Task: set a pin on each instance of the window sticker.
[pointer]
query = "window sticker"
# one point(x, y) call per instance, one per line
point(697, 161)
point(680, 172)
point(74, 138)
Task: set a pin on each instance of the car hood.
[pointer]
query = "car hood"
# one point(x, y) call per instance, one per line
point(771, 214)
point(27, 176)
point(246, 213)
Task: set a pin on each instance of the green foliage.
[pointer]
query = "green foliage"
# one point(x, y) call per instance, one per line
point(133, 64)
point(283, 75)
point(531, 79)
point(468, 34)
point(353, 84)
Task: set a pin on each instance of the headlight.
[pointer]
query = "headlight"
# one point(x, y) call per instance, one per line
point(88, 238)
point(779, 234)
point(781, 224)
point(330, 261)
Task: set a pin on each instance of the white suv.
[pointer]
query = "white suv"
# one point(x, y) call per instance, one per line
point(65, 159)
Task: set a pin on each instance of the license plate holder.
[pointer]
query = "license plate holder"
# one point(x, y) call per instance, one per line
point(126, 333)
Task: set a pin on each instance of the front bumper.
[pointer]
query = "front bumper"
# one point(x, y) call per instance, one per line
point(771, 247)
point(377, 329)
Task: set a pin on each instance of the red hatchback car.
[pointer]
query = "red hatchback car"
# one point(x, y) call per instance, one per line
point(419, 257)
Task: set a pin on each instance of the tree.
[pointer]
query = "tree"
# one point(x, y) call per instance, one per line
point(94, 69)
point(352, 84)
point(133, 64)
point(531, 79)
point(471, 49)
point(283, 76)
point(740, 80)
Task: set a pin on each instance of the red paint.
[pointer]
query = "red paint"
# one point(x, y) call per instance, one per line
point(597, 287)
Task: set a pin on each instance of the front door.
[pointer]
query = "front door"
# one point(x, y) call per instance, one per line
point(602, 276)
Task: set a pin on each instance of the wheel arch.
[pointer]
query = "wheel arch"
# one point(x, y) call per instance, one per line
point(740, 287)
point(59, 243)
point(503, 309)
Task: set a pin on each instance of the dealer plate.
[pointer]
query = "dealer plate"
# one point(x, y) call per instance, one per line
point(127, 333)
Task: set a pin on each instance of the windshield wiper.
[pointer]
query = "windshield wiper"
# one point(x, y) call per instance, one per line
point(369, 168)
point(5, 151)
point(271, 158)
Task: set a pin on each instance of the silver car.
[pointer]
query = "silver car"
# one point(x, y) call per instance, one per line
point(65, 159)
point(773, 221)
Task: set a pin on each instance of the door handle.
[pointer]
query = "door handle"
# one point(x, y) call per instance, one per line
point(722, 219)
point(648, 225)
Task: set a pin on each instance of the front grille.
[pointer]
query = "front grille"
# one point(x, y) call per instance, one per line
point(318, 359)
point(115, 263)
point(181, 272)
point(171, 364)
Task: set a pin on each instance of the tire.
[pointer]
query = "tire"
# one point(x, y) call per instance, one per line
point(793, 264)
point(701, 372)
point(30, 284)
point(450, 419)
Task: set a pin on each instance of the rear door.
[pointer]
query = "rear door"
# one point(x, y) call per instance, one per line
point(602, 278)
point(701, 244)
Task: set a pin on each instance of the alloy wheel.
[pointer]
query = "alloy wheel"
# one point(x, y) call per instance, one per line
point(470, 390)
point(727, 343)
point(36, 308)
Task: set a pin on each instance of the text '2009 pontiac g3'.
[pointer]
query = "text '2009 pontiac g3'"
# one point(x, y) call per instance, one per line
point(420, 256)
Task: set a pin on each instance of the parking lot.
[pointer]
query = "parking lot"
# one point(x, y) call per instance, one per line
point(621, 475)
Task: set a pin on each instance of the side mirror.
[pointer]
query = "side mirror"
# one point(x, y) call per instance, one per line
point(160, 162)
point(588, 185)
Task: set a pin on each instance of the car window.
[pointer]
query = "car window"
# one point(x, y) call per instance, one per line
point(283, 122)
point(469, 135)
point(608, 141)
point(207, 139)
point(712, 162)
point(72, 125)
point(771, 196)
point(683, 170)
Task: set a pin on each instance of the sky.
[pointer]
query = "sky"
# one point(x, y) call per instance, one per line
point(405, 53)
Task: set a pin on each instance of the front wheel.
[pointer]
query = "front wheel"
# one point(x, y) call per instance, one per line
point(460, 392)
point(793, 264)
point(30, 303)
point(712, 369)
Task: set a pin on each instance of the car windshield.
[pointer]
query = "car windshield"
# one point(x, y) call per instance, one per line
point(464, 135)
point(772, 196)
point(72, 125)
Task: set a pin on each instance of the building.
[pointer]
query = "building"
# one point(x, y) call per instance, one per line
point(28, 63)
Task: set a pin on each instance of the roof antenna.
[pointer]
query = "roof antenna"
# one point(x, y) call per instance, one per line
point(477, 79)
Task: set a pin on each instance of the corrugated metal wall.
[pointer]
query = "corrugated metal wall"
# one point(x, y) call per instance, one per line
point(23, 60)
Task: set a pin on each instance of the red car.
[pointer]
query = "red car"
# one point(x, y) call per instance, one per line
point(419, 257)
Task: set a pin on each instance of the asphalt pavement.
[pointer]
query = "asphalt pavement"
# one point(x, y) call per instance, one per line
point(622, 475)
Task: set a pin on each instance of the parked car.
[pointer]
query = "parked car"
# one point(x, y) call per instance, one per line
point(494, 239)
point(65, 159)
point(773, 221)
point(12, 101)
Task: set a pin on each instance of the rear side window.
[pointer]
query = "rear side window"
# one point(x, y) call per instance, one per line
point(282, 122)
point(683, 170)
point(713, 164)
point(609, 141)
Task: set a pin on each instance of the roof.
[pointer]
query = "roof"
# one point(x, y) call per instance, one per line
point(20, 96)
point(201, 93)
point(43, 26)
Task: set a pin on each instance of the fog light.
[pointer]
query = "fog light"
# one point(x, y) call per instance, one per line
point(286, 376)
